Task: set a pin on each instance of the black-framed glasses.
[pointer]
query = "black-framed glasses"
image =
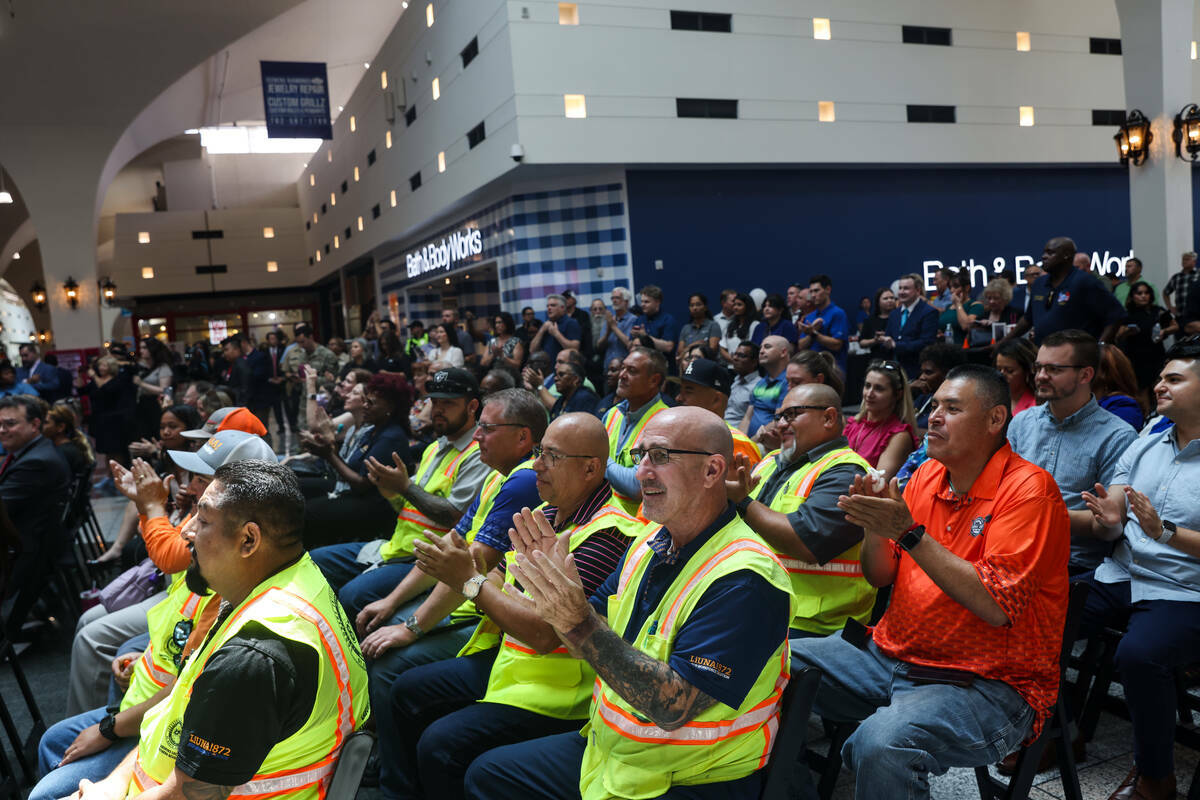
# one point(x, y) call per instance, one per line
point(788, 414)
point(552, 457)
point(488, 427)
point(661, 455)
point(1055, 369)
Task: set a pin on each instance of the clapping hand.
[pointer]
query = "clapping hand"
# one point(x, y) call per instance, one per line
point(1108, 509)
point(1144, 510)
point(150, 491)
point(531, 531)
point(390, 481)
point(552, 581)
point(740, 480)
point(881, 512)
point(448, 558)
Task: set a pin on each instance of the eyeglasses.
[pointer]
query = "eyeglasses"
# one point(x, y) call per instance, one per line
point(788, 414)
point(488, 427)
point(661, 455)
point(888, 365)
point(552, 457)
point(1055, 369)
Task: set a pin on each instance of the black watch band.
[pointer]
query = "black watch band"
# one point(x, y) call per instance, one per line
point(911, 537)
point(743, 505)
point(108, 728)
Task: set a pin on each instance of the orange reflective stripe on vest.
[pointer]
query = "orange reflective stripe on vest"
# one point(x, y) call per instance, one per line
point(159, 676)
point(804, 487)
point(738, 545)
point(633, 560)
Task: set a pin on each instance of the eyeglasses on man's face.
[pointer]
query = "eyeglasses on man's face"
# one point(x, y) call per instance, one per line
point(661, 455)
point(1054, 370)
point(552, 457)
point(788, 414)
point(490, 427)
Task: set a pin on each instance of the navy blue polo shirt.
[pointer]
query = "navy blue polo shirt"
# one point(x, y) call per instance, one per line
point(568, 328)
point(519, 489)
point(1080, 301)
point(716, 650)
point(660, 326)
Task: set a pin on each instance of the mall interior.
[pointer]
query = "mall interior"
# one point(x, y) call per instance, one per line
point(486, 156)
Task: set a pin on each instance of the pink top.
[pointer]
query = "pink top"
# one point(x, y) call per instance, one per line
point(870, 439)
point(1027, 401)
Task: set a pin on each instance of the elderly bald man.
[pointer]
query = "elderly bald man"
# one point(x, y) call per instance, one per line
point(666, 636)
point(790, 500)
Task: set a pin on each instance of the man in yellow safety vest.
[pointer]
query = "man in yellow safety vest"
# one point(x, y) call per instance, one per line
point(790, 500)
point(666, 634)
point(263, 706)
point(643, 374)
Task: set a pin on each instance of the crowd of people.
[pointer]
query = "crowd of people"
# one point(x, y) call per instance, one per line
point(483, 538)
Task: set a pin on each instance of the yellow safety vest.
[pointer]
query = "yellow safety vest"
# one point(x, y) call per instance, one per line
point(554, 684)
point(159, 664)
point(628, 756)
point(620, 453)
point(826, 594)
point(297, 604)
point(492, 485)
point(437, 479)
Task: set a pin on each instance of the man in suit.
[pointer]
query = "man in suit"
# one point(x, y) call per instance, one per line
point(41, 376)
point(912, 326)
point(35, 486)
point(258, 386)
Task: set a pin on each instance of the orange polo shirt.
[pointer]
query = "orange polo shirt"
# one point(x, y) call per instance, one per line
point(166, 547)
point(1012, 526)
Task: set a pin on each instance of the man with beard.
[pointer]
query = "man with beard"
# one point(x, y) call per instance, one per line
point(1070, 436)
point(447, 480)
point(267, 699)
point(790, 500)
point(89, 744)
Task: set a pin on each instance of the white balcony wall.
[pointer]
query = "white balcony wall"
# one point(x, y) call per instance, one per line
point(174, 254)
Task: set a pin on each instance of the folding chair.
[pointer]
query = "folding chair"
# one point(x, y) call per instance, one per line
point(352, 760)
point(25, 747)
point(781, 781)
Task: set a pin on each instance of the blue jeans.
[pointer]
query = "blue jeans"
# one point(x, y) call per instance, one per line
point(59, 781)
point(137, 644)
point(356, 587)
point(442, 642)
point(909, 732)
point(548, 769)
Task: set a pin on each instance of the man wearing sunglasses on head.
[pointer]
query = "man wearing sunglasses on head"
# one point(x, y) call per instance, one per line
point(790, 500)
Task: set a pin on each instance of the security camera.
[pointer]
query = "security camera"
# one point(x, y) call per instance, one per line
point(517, 153)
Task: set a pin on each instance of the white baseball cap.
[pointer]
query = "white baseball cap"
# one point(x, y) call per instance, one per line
point(222, 448)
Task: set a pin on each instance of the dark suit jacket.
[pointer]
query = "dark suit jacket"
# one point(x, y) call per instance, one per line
point(48, 379)
point(259, 364)
point(918, 332)
point(35, 487)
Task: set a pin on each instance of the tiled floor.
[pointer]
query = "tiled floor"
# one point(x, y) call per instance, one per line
point(1109, 754)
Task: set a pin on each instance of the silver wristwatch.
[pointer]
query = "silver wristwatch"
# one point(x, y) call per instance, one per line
point(1168, 530)
point(471, 588)
point(411, 624)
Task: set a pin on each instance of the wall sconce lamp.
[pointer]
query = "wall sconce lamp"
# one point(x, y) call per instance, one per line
point(108, 290)
point(39, 295)
point(1186, 133)
point(71, 290)
point(44, 336)
point(1133, 139)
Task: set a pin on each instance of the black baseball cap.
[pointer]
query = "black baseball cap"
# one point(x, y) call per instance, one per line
point(454, 382)
point(703, 372)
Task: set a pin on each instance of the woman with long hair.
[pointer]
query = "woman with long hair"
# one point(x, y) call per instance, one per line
point(1141, 336)
point(1115, 386)
point(505, 346)
point(884, 430)
point(1014, 360)
point(741, 327)
point(62, 428)
point(876, 324)
point(810, 366)
point(443, 337)
point(154, 378)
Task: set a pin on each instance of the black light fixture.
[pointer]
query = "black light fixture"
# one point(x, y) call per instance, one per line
point(39, 295)
point(1186, 133)
point(71, 290)
point(44, 336)
point(108, 290)
point(1133, 139)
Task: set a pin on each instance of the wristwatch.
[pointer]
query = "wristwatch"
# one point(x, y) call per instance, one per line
point(411, 624)
point(911, 537)
point(1168, 530)
point(470, 589)
point(743, 505)
point(108, 727)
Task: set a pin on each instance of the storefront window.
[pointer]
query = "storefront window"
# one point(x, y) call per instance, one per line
point(210, 328)
point(284, 318)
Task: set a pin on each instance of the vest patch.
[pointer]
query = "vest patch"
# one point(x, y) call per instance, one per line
point(215, 750)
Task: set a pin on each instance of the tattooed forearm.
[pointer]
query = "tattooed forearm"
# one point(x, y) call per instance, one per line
point(647, 684)
point(198, 790)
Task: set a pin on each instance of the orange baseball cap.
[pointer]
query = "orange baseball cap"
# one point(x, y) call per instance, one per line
point(230, 418)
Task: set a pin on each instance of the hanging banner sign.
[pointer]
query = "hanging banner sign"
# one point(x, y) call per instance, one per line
point(296, 100)
point(1103, 263)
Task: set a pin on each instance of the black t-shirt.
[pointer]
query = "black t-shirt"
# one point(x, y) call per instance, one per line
point(1080, 301)
point(255, 691)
